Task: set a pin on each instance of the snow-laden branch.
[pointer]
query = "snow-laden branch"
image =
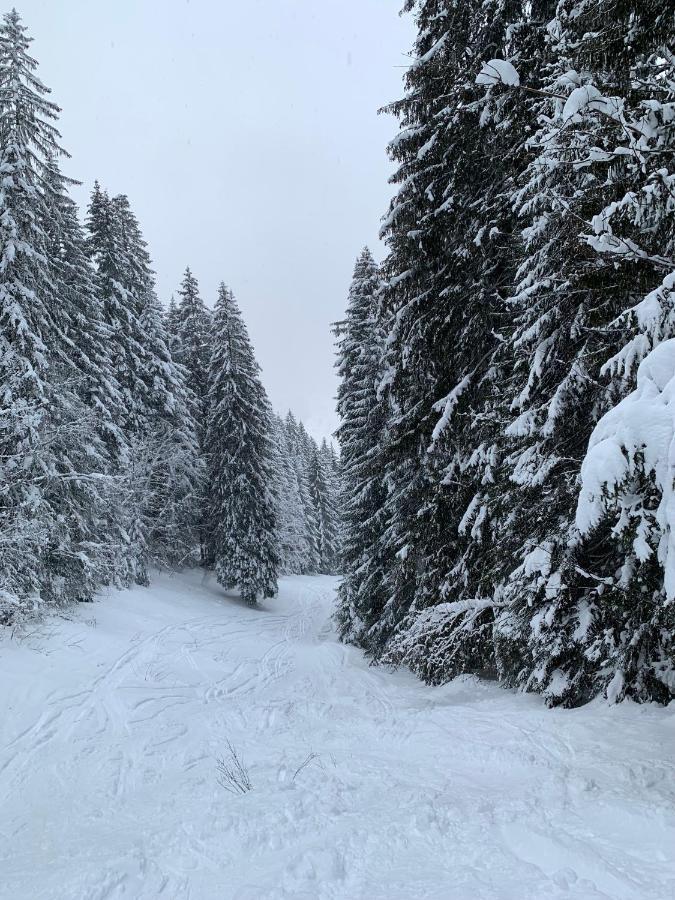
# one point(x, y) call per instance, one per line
point(633, 441)
point(447, 405)
point(498, 71)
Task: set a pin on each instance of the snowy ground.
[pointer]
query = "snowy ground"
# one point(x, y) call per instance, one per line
point(111, 723)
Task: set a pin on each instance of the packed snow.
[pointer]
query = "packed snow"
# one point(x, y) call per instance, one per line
point(365, 783)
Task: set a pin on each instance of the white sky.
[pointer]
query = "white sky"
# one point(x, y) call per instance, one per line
point(247, 137)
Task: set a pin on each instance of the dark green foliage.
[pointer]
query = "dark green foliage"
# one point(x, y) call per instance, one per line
point(190, 324)
point(529, 273)
point(360, 342)
point(241, 518)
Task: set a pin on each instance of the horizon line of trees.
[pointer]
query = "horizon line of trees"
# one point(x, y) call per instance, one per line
point(130, 438)
point(507, 374)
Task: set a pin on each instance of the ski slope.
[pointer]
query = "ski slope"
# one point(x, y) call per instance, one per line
point(111, 722)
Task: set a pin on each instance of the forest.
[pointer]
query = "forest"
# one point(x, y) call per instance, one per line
point(132, 436)
point(502, 501)
point(414, 640)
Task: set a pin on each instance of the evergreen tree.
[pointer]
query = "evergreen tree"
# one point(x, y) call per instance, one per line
point(626, 500)
point(322, 493)
point(239, 452)
point(330, 467)
point(162, 473)
point(172, 487)
point(42, 418)
point(360, 337)
point(318, 513)
point(123, 290)
point(422, 335)
point(588, 611)
point(90, 443)
point(172, 322)
point(191, 325)
point(298, 444)
point(82, 317)
point(291, 526)
point(450, 236)
point(166, 467)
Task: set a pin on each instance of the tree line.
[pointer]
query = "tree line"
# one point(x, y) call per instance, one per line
point(507, 427)
point(130, 437)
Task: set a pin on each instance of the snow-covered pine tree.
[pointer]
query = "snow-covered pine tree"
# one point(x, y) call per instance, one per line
point(92, 446)
point(239, 452)
point(291, 526)
point(82, 314)
point(330, 465)
point(117, 287)
point(192, 342)
point(324, 499)
point(172, 324)
point(618, 117)
point(420, 341)
point(306, 448)
point(449, 232)
point(572, 285)
point(47, 503)
point(172, 495)
point(360, 348)
point(162, 473)
point(297, 440)
point(332, 460)
point(165, 453)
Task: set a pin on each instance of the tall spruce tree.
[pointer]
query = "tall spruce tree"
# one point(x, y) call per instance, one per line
point(239, 452)
point(172, 485)
point(625, 512)
point(324, 500)
point(360, 345)
point(474, 580)
point(90, 438)
point(46, 506)
point(422, 331)
point(162, 471)
point(587, 612)
point(330, 466)
point(291, 525)
point(450, 236)
point(165, 461)
point(123, 292)
point(172, 323)
point(306, 448)
point(191, 328)
point(82, 314)
point(298, 444)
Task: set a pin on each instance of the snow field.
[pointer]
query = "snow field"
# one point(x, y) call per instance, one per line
point(112, 721)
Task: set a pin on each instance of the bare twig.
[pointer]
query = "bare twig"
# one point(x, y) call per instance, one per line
point(232, 773)
point(310, 759)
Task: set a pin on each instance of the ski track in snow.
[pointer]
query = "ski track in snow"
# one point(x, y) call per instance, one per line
point(110, 731)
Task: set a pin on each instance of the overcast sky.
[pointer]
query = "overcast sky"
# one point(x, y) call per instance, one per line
point(246, 134)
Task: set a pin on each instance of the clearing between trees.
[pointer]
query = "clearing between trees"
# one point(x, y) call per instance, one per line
point(119, 727)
